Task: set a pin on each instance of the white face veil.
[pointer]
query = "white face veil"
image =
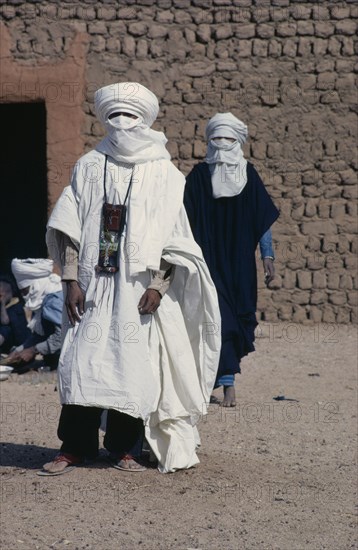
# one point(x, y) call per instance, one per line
point(130, 140)
point(225, 158)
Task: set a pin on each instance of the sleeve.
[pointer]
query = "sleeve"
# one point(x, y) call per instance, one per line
point(68, 255)
point(52, 344)
point(32, 340)
point(266, 247)
point(162, 278)
point(65, 217)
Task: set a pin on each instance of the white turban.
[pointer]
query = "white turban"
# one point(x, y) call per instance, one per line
point(134, 143)
point(226, 125)
point(129, 97)
point(26, 271)
point(36, 274)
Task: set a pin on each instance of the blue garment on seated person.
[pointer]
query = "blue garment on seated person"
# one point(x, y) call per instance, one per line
point(51, 315)
point(52, 307)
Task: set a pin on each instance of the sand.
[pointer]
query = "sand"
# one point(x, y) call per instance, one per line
point(274, 475)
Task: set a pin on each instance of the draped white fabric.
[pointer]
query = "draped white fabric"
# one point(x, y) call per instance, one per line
point(39, 288)
point(227, 164)
point(133, 145)
point(159, 367)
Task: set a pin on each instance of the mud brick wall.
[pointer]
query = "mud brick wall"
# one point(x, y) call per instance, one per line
point(284, 67)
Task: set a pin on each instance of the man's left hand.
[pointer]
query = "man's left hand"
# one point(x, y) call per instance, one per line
point(269, 269)
point(149, 302)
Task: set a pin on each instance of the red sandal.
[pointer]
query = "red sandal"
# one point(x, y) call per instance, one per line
point(71, 461)
point(125, 459)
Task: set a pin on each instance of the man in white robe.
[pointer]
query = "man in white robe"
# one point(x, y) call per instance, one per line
point(143, 342)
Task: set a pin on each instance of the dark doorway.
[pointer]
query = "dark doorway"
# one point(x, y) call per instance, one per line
point(24, 182)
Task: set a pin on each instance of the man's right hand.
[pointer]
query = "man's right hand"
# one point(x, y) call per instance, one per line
point(75, 302)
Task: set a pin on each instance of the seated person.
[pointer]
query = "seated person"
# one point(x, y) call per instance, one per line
point(13, 323)
point(42, 292)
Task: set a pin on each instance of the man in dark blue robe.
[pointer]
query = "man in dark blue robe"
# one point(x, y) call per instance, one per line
point(229, 211)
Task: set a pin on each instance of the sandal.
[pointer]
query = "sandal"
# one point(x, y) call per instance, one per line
point(121, 463)
point(70, 462)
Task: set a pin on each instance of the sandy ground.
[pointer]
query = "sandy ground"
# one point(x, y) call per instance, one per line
point(274, 475)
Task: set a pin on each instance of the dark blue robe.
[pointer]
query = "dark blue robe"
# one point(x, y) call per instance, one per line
point(228, 231)
point(16, 332)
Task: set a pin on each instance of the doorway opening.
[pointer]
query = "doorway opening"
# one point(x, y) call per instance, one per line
point(24, 183)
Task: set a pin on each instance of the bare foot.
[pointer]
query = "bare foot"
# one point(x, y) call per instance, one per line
point(215, 400)
point(229, 397)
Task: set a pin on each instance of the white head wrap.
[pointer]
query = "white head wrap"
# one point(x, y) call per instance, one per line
point(226, 159)
point(128, 97)
point(26, 271)
point(226, 125)
point(36, 274)
point(136, 142)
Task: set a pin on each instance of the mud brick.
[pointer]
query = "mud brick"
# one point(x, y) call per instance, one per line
point(129, 46)
point(315, 314)
point(324, 29)
point(346, 26)
point(265, 31)
point(343, 315)
point(299, 314)
point(138, 29)
point(319, 279)
point(304, 279)
point(338, 298)
point(223, 32)
point(286, 29)
point(329, 315)
point(245, 31)
point(318, 297)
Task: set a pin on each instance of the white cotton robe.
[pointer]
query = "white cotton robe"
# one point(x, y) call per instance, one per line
point(159, 367)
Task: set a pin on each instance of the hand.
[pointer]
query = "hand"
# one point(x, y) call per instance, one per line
point(269, 270)
point(149, 302)
point(13, 358)
point(75, 302)
point(27, 354)
point(5, 298)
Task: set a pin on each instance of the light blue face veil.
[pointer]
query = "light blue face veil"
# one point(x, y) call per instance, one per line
point(227, 164)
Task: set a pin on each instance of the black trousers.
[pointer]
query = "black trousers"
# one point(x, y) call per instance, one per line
point(78, 430)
